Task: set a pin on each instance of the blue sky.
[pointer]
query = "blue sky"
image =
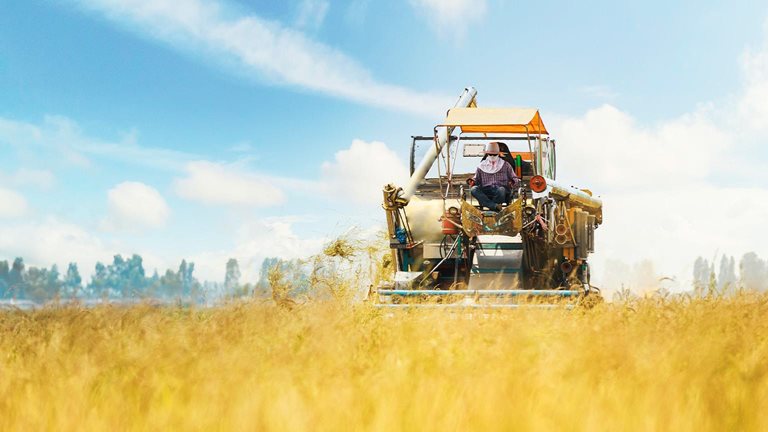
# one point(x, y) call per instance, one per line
point(117, 116)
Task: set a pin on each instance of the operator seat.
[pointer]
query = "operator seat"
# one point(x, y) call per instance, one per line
point(503, 148)
point(526, 168)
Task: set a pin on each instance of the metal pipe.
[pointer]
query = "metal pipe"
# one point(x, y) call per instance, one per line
point(590, 204)
point(450, 252)
point(481, 293)
point(474, 138)
point(443, 135)
point(472, 306)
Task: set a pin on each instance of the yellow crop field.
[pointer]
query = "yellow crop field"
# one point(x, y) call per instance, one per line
point(683, 364)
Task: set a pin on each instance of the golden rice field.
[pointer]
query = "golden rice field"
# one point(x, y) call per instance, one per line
point(650, 365)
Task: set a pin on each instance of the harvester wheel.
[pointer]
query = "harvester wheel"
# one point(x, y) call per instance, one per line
point(446, 244)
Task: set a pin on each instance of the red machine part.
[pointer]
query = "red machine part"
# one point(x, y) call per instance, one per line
point(538, 183)
point(450, 221)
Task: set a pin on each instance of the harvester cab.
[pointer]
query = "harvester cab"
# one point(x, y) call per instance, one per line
point(448, 250)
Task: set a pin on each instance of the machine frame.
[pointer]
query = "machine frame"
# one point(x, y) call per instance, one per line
point(535, 248)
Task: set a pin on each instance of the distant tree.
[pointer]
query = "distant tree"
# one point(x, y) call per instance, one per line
point(232, 277)
point(170, 285)
point(155, 277)
point(210, 291)
point(753, 272)
point(700, 275)
point(712, 284)
point(726, 278)
point(53, 283)
point(99, 286)
point(17, 269)
point(174, 284)
point(73, 283)
point(16, 278)
point(35, 280)
point(190, 287)
point(245, 290)
point(185, 274)
point(41, 284)
point(116, 276)
point(123, 278)
point(4, 270)
point(134, 280)
point(732, 268)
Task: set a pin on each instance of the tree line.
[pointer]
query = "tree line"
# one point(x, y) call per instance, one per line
point(124, 278)
point(709, 278)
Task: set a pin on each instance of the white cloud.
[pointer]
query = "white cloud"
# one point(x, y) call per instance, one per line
point(264, 48)
point(451, 16)
point(610, 152)
point(672, 227)
point(360, 172)
point(59, 138)
point(12, 205)
point(243, 147)
point(42, 179)
point(52, 242)
point(18, 133)
point(671, 191)
point(272, 237)
point(227, 184)
point(599, 91)
point(135, 206)
point(753, 106)
point(311, 13)
point(356, 175)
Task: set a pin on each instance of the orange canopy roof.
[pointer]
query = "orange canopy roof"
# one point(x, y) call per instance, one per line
point(496, 120)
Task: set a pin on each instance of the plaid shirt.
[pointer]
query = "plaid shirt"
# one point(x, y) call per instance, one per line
point(499, 178)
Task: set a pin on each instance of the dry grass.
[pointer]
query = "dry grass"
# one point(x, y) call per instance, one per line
point(652, 365)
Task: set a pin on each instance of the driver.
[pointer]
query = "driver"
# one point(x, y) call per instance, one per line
point(494, 179)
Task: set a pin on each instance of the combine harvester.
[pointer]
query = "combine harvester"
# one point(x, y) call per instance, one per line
point(448, 251)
